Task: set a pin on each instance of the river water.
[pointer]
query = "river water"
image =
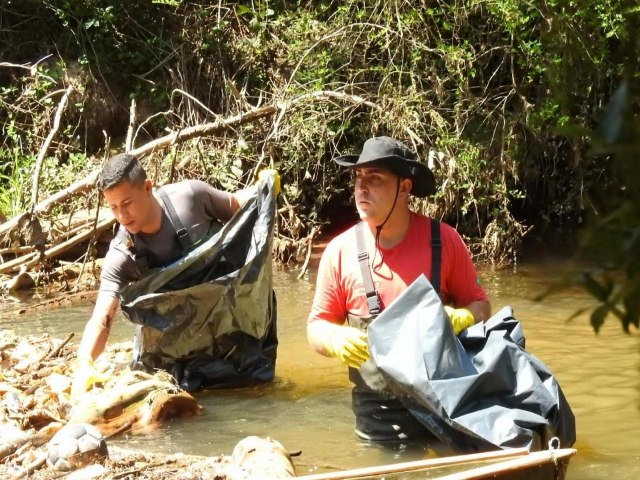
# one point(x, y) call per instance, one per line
point(308, 407)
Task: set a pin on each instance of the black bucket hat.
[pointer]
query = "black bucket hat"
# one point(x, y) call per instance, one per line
point(395, 156)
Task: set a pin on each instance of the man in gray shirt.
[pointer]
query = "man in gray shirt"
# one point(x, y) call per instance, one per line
point(157, 228)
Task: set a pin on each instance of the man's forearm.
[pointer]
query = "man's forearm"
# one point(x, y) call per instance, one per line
point(96, 332)
point(481, 310)
point(317, 333)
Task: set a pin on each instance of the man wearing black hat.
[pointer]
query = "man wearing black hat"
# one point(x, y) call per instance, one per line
point(371, 264)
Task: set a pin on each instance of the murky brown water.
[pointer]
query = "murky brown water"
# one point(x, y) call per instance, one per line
point(308, 407)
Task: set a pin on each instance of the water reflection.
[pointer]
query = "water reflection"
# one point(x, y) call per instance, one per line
point(308, 407)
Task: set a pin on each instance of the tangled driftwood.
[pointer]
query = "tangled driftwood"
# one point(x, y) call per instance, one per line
point(22, 248)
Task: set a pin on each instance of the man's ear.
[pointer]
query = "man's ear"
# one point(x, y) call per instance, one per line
point(406, 184)
point(148, 185)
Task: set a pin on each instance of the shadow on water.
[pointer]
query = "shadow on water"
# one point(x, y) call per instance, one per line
point(308, 407)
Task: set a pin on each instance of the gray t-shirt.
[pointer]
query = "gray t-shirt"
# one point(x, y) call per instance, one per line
point(197, 205)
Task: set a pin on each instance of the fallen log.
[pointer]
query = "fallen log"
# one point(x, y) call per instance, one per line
point(43, 207)
point(92, 408)
point(33, 259)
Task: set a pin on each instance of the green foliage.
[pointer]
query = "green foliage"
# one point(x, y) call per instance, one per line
point(13, 187)
point(480, 88)
point(611, 236)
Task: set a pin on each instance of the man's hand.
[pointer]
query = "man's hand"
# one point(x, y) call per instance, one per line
point(263, 174)
point(349, 345)
point(84, 377)
point(461, 318)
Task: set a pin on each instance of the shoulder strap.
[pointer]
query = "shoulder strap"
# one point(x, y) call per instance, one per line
point(436, 255)
point(125, 239)
point(183, 235)
point(373, 301)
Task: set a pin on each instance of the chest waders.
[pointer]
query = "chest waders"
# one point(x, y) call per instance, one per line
point(196, 317)
point(380, 415)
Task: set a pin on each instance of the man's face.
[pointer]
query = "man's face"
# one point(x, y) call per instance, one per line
point(375, 192)
point(131, 205)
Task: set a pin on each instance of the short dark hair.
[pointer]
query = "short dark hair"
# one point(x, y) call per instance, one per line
point(119, 169)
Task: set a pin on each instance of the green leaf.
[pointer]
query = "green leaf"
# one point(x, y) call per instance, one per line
point(598, 316)
point(244, 10)
point(596, 289)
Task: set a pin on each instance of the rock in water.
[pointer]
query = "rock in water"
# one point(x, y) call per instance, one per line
point(76, 445)
point(263, 458)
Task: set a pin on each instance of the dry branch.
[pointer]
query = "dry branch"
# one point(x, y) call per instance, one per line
point(132, 119)
point(47, 142)
point(204, 130)
point(164, 142)
point(44, 206)
point(33, 259)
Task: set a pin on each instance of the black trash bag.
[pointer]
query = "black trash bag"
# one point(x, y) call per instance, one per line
point(475, 392)
point(210, 317)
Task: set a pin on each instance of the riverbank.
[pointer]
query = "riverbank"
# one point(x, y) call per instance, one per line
point(35, 382)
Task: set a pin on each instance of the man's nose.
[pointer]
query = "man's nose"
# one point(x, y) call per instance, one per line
point(121, 215)
point(361, 185)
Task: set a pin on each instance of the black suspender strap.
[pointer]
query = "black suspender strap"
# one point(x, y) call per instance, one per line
point(183, 235)
point(436, 255)
point(373, 302)
point(141, 259)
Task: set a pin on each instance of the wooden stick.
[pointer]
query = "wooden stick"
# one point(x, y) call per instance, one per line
point(15, 264)
point(58, 249)
point(33, 259)
point(303, 269)
point(416, 465)
point(128, 144)
point(47, 142)
point(531, 460)
point(60, 347)
point(4, 251)
point(205, 129)
point(32, 467)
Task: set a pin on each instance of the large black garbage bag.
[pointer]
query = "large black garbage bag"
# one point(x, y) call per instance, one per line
point(475, 392)
point(210, 317)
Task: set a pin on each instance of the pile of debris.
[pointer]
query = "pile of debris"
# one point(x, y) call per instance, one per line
point(35, 381)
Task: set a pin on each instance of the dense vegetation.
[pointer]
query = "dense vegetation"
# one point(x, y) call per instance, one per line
point(499, 96)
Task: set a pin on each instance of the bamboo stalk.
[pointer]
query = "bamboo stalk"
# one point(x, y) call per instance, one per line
point(416, 465)
point(508, 466)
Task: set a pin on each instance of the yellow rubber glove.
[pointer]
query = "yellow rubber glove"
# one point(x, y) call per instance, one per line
point(263, 174)
point(349, 345)
point(461, 318)
point(84, 377)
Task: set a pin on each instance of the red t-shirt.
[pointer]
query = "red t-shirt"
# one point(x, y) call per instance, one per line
point(340, 290)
